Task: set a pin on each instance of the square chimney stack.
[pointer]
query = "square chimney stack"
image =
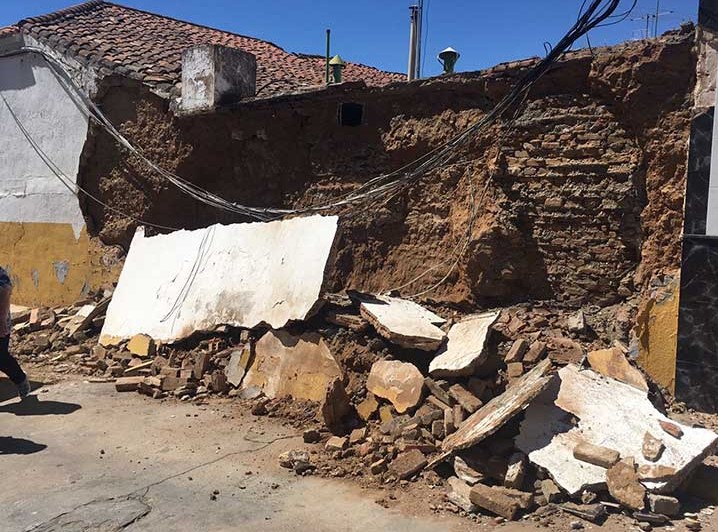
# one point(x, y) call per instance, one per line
point(214, 75)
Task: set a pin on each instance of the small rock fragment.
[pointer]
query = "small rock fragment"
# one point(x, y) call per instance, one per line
point(467, 473)
point(141, 345)
point(516, 471)
point(516, 352)
point(652, 447)
point(577, 322)
point(337, 443)
point(311, 436)
point(290, 459)
point(399, 382)
point(624, 486)
point(335, 406)
point(550, 490)
point(596, 454)
point(408, 464)
point(495, 501)
point(672, 429)
point(664, 504)
point(368, 407)
point(536, 352)
point(378, 467)
point(460, 494)
point(465, 398)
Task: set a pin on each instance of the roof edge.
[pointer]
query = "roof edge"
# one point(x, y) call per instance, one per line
point(72, 10)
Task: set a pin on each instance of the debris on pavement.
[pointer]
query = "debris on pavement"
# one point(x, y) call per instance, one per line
point(492, 420)
point(610, 414)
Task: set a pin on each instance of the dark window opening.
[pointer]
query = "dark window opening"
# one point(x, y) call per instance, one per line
point(351, 114)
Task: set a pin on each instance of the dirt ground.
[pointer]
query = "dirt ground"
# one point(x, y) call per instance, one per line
point(80, 456)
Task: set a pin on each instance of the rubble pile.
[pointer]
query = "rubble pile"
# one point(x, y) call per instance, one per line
point(510, 412)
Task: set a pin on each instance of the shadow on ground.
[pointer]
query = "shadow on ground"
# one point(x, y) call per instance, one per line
point(32, 406)
point(9, 391)
point(10, 445)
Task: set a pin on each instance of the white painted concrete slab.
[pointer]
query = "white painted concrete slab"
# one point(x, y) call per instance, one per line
point(611, 414)
point(403, 322)
point(464, 349)
point(242, 275)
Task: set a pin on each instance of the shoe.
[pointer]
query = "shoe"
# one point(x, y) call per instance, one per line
point(24, 389)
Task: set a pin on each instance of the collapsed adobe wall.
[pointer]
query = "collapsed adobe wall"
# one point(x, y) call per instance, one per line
point(582, 194)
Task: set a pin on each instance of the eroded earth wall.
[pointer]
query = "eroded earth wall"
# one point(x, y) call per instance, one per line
point(579, 199)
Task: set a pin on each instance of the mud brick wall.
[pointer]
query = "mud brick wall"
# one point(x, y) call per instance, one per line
point(570, 178)
point(580, 199)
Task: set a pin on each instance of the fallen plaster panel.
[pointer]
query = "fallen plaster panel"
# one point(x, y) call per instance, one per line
point(403, 322)
point(611, 414)
point(464, 349)
point(241, 275)
point(494, 414)
point(300, 366)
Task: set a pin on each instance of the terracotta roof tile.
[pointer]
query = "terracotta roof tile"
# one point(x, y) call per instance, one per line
point(8, 30)
point(110, 35)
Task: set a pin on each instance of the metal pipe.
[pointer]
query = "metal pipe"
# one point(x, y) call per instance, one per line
point(411, 70)
point(326, 61)
point(419, 31)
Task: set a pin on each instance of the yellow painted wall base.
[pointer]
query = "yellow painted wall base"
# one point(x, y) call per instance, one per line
point(48, 265)
point(657, 333)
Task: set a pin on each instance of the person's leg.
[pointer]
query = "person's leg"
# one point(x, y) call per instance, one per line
point(9, 365)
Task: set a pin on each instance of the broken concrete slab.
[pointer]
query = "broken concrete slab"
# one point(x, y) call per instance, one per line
point(494, 414)
point(613, 363)
point(238, 364)
point(611, 414)
point(465, 347)
point(284, 364)
point(399, 382)
point(241, 275)
point(403, 322)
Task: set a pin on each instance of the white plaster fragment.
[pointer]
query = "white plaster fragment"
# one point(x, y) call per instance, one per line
point(242, 275)
point(403, 322)
point(464, 349)
point(611, 414)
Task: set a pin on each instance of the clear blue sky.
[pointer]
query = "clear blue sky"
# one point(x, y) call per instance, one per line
point(375, 32)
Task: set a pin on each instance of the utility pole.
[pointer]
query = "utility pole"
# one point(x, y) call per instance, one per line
point(415, 17)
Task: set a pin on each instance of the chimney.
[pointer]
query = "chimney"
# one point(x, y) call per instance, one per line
point(215, 75)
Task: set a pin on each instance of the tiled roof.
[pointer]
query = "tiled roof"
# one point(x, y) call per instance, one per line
point(148, 47)
point(8, 30)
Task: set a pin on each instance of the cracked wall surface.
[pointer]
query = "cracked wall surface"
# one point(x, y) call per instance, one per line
point(41, 223)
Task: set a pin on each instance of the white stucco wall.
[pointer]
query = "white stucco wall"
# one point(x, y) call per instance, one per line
point(29, 191)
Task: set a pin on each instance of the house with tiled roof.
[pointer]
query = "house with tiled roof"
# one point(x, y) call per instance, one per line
point(111, 38)
point(44, 127)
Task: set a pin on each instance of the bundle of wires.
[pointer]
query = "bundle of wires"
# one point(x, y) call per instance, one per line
point(383, 187)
